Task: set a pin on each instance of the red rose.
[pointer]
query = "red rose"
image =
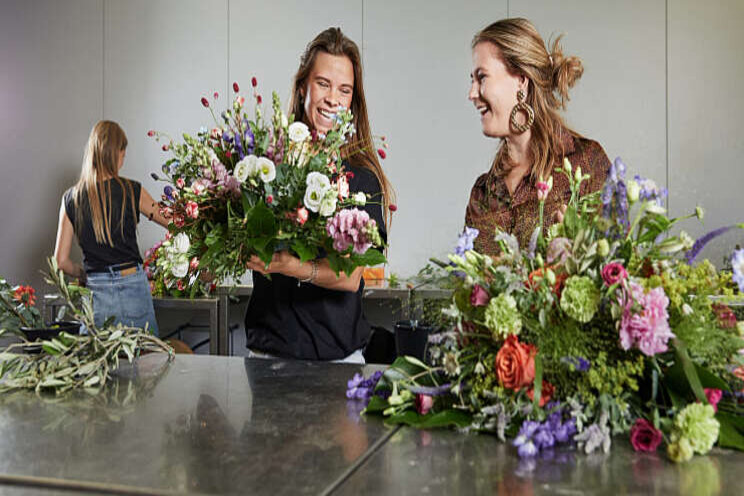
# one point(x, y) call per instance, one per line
point(546, 393)
point(479, 297)
point(515, 363)
point(644, 436)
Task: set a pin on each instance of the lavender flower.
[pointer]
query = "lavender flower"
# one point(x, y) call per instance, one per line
point(465, 240)
point(704, 240)
point(737, 264)
point(580, 364)
point(359, 388)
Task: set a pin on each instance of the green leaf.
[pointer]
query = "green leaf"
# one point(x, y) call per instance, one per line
point(729, 436)
point(446, 418)
point(369, 258)
point(376, 405)
point(303, 251)
point(538, 381)
point(688, 367)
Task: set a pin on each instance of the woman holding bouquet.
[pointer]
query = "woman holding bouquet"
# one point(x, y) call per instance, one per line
point(305, 311)
point(103, 210)
point(518, 88)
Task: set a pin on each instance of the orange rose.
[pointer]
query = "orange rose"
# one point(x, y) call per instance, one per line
point(515, 364)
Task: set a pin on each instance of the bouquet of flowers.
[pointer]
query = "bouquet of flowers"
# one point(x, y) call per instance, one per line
point(603, 325)
point(17, 307)
point(251, 186)
point(171, 272)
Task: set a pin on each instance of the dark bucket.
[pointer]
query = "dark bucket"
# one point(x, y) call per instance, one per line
point(51, 330)
point(411, 338)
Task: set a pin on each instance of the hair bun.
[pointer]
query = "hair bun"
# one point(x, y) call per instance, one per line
point(566, 71)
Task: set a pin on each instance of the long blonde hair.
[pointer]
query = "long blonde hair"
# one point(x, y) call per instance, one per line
point(101, 161)
point(550, 76)
point(360, 149)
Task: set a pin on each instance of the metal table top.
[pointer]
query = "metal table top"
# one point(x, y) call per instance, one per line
point(218, 425)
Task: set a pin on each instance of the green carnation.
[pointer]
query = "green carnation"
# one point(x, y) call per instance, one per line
point(681, 451)
point(696, 424)
point(502, 317)
point(580, 298)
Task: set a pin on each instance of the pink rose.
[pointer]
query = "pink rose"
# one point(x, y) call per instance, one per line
point(479, 296)
point(714, 396)
point(644, 436)
point(192, 209)
point(424, 402)
point(613, 273)
point(302, 215)
point(180, 182)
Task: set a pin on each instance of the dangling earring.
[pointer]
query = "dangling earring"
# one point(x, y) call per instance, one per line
point(521, 105)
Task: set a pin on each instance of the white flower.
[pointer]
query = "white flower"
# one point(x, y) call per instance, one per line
point(313, 197)
point(318, 180)
point(301, 154)
point(266, 169)
point(181, 243)
point(343, 187)
point(298, 132)
point(241, 169)
point(360, 198)
point(213, 159)
point(687, 309)
point(180, 269)
point(252, 162)
point(284, 120)
point(328, 204)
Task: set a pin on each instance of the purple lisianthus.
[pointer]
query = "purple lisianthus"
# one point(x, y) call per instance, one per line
point(168, 192)
point(465, 240)
point(737, 264)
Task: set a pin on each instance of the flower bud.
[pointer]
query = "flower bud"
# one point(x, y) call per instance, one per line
point(259, 99)
point(216, 95)
point(539, 260)
point(236, 88)
point(151, 133)
point(205, 102)
point(603, 248)
point(381, 153)
point(566, 165)
point(633, 190)
point(577, 174)
point(654, 208)
point(699, 212)
point(393, 207)
point(550, 276)
point(254, 82)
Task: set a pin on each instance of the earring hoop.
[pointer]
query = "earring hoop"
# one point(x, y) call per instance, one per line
point(523, 107)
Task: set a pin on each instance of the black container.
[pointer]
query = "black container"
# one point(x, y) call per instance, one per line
point(411, 338)
point(51, 330)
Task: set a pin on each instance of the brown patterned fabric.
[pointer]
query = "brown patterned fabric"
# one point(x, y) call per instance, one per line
point(491, 205)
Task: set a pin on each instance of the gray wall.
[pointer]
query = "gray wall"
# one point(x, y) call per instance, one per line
point(661, 89)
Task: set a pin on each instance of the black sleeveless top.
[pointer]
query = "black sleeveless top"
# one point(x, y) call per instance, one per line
point(307, 321)
point(96, 256)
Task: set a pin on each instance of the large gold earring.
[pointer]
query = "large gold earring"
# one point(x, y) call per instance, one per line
point(521, 105)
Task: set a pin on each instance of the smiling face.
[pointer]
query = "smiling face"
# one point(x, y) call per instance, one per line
point(329, 85)
point(493, 90)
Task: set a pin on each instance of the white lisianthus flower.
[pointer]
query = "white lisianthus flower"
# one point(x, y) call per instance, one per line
point(298, 132)
point(328, 204)
point(241, 170)
point(360, 198)
point(251, 162)
point(302, 155)
point(313, 198)
point(181, 243)
point(266, 169)
point(318, 181)
point(180, 268)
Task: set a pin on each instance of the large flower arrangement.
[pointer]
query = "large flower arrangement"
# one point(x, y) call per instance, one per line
point(601, 326)
point(255, 186)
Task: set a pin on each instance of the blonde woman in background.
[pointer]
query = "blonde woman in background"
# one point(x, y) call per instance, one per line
point(518, 87)
point(102, 210)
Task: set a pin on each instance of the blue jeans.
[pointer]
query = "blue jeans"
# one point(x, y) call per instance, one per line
point(127, 298)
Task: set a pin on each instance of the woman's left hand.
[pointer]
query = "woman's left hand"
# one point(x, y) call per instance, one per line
point(282, 262)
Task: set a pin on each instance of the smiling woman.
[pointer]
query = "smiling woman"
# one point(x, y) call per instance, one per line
point(518, 88)
point(305, 310)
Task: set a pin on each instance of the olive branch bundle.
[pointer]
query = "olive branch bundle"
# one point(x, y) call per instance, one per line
point(68, 361)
